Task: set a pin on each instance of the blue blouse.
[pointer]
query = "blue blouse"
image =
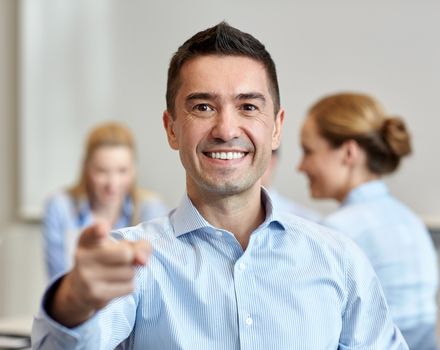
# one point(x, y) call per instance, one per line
point(401, 252)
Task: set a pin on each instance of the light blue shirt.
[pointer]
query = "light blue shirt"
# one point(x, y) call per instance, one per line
point(402, 254)
point(63, 221)
point(297, 286)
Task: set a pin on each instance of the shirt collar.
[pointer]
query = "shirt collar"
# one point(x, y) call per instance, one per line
point(186, 218)
point(366, 191)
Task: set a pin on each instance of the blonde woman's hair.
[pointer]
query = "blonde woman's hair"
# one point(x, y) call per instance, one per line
point(106, 134)
point(354, 116)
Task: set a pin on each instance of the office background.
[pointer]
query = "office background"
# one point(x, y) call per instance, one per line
point(66, 65)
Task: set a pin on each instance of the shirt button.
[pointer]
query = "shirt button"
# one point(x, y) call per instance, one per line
point(219, 233)
point(242, 266)
point(248, 321)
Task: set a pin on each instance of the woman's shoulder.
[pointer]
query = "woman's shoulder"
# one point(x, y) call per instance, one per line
point(145, 195)
point(59, 198)
point(60, 204)
point(151, 204)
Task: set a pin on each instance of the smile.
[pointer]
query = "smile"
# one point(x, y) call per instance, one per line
point(225, 155)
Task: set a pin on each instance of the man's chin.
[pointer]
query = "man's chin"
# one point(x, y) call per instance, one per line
point(226, 188)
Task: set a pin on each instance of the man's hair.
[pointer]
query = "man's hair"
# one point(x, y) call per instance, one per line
point(222, 40)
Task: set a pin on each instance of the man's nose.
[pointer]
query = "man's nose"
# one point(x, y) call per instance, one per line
point(226, 124)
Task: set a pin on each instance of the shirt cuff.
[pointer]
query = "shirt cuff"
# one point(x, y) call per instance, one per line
point(49, 334)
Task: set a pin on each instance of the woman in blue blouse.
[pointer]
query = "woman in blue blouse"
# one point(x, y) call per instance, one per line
point(348, 145)
point(106, 191)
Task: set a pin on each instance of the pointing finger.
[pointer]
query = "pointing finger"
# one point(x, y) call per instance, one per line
point(95, 234)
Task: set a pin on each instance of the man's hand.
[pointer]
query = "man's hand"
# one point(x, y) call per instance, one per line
point(104, 270)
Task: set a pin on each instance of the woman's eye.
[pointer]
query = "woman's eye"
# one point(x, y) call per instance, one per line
point(307, 151)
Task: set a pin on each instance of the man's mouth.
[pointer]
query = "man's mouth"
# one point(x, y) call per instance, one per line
point(225, 155)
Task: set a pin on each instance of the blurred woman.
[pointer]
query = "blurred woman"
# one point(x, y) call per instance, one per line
point(106, 191)
point(280, 201)
point(348, 145)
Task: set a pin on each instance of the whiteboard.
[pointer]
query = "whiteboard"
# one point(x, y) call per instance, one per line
point(83, 62)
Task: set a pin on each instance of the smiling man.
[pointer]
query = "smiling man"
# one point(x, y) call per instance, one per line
point(224, 270)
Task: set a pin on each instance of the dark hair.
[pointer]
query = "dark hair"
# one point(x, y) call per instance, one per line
point(221, 39)
point(359, 117)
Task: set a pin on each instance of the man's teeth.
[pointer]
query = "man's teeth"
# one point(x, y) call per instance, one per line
point(226, 155)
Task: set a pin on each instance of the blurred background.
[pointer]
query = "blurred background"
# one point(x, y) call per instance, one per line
point(67, 65)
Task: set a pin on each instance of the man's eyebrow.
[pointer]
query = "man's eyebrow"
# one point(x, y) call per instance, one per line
point(200, 96)
point(252, 96)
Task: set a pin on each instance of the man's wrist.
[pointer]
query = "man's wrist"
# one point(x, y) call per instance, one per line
point(64, 306)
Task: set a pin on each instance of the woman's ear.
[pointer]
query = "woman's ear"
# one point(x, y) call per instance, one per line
point(168, 124)
point(352, 152)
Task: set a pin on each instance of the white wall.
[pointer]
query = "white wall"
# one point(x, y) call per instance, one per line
point(21, 270)
point(8, 111)
point(88, 61)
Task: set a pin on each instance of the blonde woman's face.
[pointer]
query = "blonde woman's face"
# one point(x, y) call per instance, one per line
point(323, 164)
point(110, 172)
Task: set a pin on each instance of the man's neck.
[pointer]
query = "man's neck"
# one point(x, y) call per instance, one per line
point(239, 214)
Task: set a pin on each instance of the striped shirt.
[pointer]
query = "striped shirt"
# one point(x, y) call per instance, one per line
point(297, 286)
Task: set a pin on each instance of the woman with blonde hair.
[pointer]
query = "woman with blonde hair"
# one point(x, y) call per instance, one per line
point(348, 145)
point(106, 190)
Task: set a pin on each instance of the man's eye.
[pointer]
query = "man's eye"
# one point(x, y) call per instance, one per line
point(202, 107)
point(249, 107)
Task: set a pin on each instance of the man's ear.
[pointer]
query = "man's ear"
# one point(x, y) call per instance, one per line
point(352, 152)
point(277, 129)
point(168, 124)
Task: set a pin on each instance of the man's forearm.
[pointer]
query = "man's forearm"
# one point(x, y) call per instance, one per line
point(64, 307)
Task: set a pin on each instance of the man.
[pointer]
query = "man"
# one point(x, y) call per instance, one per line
point(226, 270)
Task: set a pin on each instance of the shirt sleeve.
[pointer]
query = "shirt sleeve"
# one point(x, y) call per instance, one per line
point(107, 329)
point(54, 231)
point(366, 320)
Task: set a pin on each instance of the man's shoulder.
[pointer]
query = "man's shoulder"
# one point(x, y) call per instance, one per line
point(316, 234)
point(336, 253)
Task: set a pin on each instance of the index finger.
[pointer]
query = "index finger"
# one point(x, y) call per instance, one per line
point(125, 252)
point(94, 234)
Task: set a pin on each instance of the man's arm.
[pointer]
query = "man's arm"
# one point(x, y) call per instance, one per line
point(104, 270)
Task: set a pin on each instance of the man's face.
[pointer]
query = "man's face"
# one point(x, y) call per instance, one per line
point(224, 124)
